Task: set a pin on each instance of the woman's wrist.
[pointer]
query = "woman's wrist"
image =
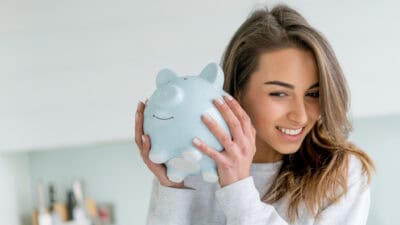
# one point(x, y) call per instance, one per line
point(226, 182)
point(173, 185)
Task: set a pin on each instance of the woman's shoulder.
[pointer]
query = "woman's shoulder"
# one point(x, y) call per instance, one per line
point(356, 170)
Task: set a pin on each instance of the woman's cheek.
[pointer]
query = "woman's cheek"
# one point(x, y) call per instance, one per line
point(314, 111)
point(276, 109)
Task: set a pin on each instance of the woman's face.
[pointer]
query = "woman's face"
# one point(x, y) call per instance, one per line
point(282, 100)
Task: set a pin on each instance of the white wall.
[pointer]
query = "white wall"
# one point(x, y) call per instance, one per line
point(73, 71)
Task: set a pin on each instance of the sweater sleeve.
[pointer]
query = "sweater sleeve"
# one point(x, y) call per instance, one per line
point(353, 207)
point(169, 206)
point(241, 204)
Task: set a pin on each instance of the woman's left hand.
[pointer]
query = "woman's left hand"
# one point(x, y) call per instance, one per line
point(234, 162)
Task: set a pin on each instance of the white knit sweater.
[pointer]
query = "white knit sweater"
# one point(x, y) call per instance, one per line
point(240, 204)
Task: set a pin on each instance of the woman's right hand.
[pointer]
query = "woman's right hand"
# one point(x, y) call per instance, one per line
point(144, 145)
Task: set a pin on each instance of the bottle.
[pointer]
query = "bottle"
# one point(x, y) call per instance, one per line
point(55, 218)
point(71, 204)
point(79, 212)
point(44, 217)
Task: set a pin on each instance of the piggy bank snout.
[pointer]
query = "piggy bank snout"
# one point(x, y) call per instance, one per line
point(169, 95)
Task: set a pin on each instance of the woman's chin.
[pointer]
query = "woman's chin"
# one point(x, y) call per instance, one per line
point(287, 149)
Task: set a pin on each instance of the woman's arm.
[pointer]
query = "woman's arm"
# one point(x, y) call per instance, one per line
point(353, 207)
point(169, 206)
point(241, 204)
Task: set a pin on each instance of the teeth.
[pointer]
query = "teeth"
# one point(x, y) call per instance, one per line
point(289, 131)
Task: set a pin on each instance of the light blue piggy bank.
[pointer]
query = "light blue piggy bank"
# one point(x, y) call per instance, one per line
point(172, 118)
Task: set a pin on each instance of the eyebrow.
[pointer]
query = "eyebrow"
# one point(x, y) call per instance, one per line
point(283, 84)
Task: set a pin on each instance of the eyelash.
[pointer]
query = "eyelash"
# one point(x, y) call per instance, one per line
point(278, 94)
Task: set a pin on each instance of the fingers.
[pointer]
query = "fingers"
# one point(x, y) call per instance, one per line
point(139, 124)
point(145, 151)
point(159, 170)
point(241, 115)
point(218, 132)
point(146, 146)
point(218, 157)
point(230, 118)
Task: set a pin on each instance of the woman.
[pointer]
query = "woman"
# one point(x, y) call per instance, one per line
point(289, 161)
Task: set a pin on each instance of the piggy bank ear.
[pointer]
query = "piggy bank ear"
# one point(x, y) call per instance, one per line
point(164, 76)
point(213, 74)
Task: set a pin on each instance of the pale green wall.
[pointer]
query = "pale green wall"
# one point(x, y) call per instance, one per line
point(111, 173)
point(380, 137)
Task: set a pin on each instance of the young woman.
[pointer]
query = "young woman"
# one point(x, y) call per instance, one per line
point(289, 161)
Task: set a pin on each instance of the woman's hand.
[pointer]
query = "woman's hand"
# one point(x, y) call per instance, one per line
point(144, 145)
point(234, 163)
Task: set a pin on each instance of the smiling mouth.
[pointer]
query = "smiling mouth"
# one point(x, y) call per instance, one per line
point(169, 118)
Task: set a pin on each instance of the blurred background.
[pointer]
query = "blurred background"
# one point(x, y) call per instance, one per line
point(72, 73)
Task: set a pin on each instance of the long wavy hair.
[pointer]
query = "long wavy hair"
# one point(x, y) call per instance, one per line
point(317, 172)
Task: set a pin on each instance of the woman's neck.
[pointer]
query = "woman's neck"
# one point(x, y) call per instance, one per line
point(265, 153)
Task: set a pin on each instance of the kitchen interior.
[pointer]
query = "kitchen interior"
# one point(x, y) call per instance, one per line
point(72, 73)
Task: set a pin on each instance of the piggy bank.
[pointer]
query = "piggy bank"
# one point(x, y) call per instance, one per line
point(172, 119)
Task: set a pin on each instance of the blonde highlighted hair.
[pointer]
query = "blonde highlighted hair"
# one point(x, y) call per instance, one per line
point(317, 172)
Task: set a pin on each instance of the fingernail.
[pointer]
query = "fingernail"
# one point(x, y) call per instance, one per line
point(219, 100)
point(196, 141)
point(207, 116)
point(228, 97)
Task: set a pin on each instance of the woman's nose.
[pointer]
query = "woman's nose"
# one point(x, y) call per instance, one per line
point(298, 114)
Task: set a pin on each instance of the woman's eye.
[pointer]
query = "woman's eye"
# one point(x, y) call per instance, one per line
point(282, 94)
point(313, 94)
point(277, 94)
